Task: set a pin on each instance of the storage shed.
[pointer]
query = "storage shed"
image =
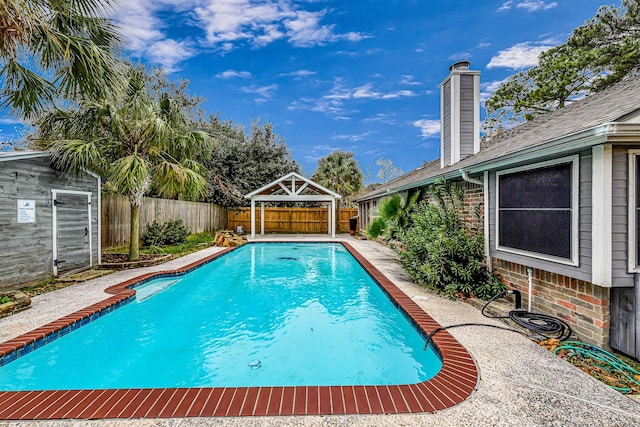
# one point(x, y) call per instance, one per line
point(49, 220)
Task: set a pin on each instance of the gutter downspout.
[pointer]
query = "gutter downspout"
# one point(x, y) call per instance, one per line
point(485, 190)
point(467, 178)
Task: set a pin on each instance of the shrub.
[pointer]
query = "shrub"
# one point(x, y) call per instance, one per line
point(439, 253)
point(171, 232)
point(175, 232)
point(396, 213)
point(374, 229)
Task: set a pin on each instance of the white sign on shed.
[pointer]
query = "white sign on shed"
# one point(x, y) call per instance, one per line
point(26, 211)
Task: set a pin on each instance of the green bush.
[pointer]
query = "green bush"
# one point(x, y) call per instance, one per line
point(376, 228)
point(439, 253)
point(171, 232)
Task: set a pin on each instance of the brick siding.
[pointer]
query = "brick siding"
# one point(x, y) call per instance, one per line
point(583, 305)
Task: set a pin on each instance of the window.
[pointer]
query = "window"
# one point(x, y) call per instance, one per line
point(634, 210)
point(537, 209)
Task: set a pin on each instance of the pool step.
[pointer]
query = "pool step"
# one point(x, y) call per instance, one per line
point(152, 288)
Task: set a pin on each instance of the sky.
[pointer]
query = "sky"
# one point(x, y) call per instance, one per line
point(353, 75)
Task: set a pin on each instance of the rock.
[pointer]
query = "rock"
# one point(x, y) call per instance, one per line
point(227, 238)
point(19, 301)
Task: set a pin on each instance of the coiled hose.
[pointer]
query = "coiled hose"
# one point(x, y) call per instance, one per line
point(540, 324)
point(595, 356)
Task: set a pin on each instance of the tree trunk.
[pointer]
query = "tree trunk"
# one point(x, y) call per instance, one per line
point(134, 232)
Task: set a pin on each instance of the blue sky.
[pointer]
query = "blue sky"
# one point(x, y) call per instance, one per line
point(354, 75)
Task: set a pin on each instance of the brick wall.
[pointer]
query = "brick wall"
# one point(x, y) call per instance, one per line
point(583, 305)
point(473, 211)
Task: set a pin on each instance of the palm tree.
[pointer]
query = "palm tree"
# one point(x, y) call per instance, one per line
point(395, 213)
point(55, 48)
point(136, 141)
point(339, 172)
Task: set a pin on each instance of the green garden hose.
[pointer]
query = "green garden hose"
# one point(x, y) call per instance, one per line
point(603, 359)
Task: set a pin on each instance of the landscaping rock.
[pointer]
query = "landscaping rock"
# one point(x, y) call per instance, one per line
point(19, 301)
point(228, 238)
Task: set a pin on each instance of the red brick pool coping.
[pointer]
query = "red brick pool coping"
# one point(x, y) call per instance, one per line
point(454, 383)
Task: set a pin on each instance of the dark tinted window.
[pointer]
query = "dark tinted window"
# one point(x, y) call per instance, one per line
point(535, 210)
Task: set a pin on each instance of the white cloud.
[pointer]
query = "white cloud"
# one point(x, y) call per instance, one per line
point(231, 74)
point(298, 73)
point(528, 5)
point(144, 33)
point(407, 79)
point(333, 103)
point(458, 56)
point(365, 91)
point(223, 24)
point(488, 89)
point(170, 53)
point(535, 5)
point(519, 56)
point(352, 137)
point(260, 22)
point(264, 93)
point(382, 118)
point(505, 6)
point(483, 44)
point(428, 127)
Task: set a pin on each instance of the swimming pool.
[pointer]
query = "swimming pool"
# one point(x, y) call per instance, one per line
point(277, 314)
point(227, 394)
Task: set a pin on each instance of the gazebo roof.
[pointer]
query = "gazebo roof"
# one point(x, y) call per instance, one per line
point(291, 186)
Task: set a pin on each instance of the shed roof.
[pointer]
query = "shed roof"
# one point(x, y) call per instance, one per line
point(588, 116)
point(19, 155)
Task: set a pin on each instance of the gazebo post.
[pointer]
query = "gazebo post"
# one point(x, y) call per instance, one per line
point(333, 220)
point(261, 218)
point(253, 218)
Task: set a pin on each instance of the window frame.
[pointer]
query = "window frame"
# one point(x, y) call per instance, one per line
point(633, 266)
point(574, 160)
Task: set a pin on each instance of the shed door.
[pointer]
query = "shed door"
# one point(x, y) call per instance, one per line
point(72, 231)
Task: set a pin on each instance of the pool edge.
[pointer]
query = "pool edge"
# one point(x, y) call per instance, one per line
point(453, 384)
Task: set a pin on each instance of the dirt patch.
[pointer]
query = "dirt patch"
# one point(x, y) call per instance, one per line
point(601, 365)
point(121, 261)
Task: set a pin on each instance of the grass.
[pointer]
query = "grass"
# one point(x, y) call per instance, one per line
point(194, 243)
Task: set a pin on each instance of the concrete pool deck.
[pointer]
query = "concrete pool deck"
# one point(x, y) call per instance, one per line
point(520, 382)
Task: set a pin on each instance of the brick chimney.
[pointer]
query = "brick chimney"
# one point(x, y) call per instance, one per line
point(459, 114)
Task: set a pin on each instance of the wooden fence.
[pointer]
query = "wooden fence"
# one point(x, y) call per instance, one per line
point(116, 214)
point(289, 220)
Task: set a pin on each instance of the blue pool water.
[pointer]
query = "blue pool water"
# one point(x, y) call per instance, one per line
point(267, 314)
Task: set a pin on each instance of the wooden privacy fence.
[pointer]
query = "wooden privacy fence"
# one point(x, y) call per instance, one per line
point(116, 214)
point(290, 220)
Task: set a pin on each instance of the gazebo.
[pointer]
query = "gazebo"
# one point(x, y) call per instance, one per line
point(292, 187)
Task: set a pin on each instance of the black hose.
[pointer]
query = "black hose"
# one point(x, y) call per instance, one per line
point(541, 324)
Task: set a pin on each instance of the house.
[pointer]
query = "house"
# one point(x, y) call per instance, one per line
point(49, 220)
point(559, 197)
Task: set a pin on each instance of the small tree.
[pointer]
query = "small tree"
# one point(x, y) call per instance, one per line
point(136, 141)
point(439, 253)
point(339, 172)
point(388, 170)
